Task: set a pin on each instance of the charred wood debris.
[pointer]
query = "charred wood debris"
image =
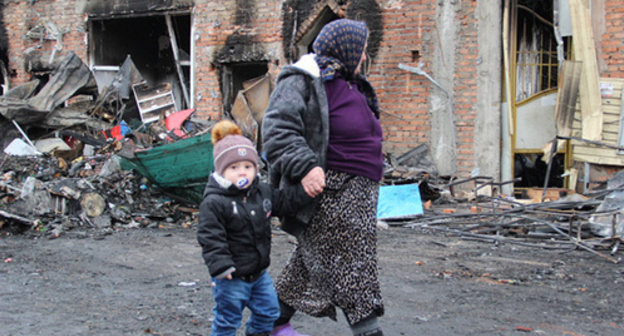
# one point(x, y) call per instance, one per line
point(66, 178)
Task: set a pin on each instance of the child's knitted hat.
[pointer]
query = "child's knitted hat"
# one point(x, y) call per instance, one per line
point(230, 146)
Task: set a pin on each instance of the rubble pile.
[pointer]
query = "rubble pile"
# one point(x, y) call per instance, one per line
point(593, 223)
point(475, 209)
point(65, 143)
point(38, 194)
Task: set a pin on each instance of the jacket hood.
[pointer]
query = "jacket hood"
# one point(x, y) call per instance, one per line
point(305, 65)
point(217, 184)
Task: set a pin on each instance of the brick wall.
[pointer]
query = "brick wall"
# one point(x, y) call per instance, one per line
point(212, 31)
point(613, 39)
point(409, 37)
point(209, 32)
point(402, 94)
point(22, 16)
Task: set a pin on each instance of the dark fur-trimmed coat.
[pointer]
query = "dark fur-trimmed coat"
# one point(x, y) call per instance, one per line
point(295, 132)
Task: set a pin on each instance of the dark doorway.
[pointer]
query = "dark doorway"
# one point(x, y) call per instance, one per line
point(233, 77)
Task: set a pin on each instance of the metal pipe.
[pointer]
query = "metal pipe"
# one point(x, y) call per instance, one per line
point(419, 71)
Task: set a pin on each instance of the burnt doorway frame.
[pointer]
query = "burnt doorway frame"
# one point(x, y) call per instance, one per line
point(233, 75)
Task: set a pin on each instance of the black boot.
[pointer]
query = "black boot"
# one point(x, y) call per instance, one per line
point(367, 327)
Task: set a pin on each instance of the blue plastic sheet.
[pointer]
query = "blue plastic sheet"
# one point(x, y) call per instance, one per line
point(399, 201)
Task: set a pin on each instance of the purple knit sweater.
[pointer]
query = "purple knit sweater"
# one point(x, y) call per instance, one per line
point(354, 133)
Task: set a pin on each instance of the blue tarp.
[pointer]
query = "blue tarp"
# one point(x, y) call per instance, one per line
point(399, 201)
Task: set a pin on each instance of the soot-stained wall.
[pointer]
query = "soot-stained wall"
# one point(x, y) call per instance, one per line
point(261, 31)
point(4, 48)
point(296, 12)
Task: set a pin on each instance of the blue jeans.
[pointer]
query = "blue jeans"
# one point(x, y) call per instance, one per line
point(232, 296)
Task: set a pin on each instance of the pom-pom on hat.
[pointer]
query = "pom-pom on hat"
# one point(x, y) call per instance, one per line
point(231, 146)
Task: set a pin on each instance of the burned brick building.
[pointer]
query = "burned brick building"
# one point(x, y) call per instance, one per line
point(476, 82)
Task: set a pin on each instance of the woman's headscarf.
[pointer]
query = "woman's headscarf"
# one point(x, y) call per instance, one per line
point(338, 48)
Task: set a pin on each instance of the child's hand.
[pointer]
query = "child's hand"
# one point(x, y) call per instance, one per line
point(227, 277)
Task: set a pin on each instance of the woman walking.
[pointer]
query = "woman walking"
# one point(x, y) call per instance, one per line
point(321, 129)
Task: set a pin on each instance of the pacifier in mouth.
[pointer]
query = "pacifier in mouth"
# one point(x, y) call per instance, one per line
point(242, 182)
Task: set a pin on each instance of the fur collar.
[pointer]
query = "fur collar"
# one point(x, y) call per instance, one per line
point(308, 64)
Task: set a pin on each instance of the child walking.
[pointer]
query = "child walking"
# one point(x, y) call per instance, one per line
point(235, 234)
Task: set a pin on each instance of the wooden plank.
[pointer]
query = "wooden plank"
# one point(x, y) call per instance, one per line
point(620, 140)
point(598, 160)
point(567, 96)
point(607, 127)
point(610, 138)
point(612, 115)
point(507, 64)
point(596, 151)
point(612, 101)
point(611, 91)
point(176, 57)
point(584, 50)
point(612, 110)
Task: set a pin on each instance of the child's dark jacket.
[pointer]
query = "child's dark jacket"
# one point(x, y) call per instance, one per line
point(234, 224)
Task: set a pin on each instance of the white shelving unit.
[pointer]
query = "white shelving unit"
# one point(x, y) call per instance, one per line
point(154, 102)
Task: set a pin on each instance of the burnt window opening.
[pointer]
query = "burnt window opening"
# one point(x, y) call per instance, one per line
point(415, 55)
point(233, 75)
point(159, 45)
point(537, 64)
point(303, 43)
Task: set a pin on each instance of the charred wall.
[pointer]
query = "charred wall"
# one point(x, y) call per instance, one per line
point(4, 39)
point(244, 11)
point(243, 54)
point(369, 12)
point(295, 12)
point(4, 50)
point(239, 48)
point(97, 8)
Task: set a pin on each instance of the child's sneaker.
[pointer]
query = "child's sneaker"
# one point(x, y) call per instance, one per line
point(285, 330)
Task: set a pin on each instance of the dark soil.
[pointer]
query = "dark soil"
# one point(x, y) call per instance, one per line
point(153, 282)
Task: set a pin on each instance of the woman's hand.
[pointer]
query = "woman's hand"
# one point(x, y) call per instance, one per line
point(314, 181)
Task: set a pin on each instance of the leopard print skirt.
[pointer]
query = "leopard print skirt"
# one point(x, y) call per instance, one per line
point(335, 261)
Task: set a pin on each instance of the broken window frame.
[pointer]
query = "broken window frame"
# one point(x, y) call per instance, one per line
point(550, 69)
point(539, 61)
point(184, 67)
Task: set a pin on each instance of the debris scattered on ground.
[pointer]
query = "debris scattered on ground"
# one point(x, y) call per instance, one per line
point(125, 157)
